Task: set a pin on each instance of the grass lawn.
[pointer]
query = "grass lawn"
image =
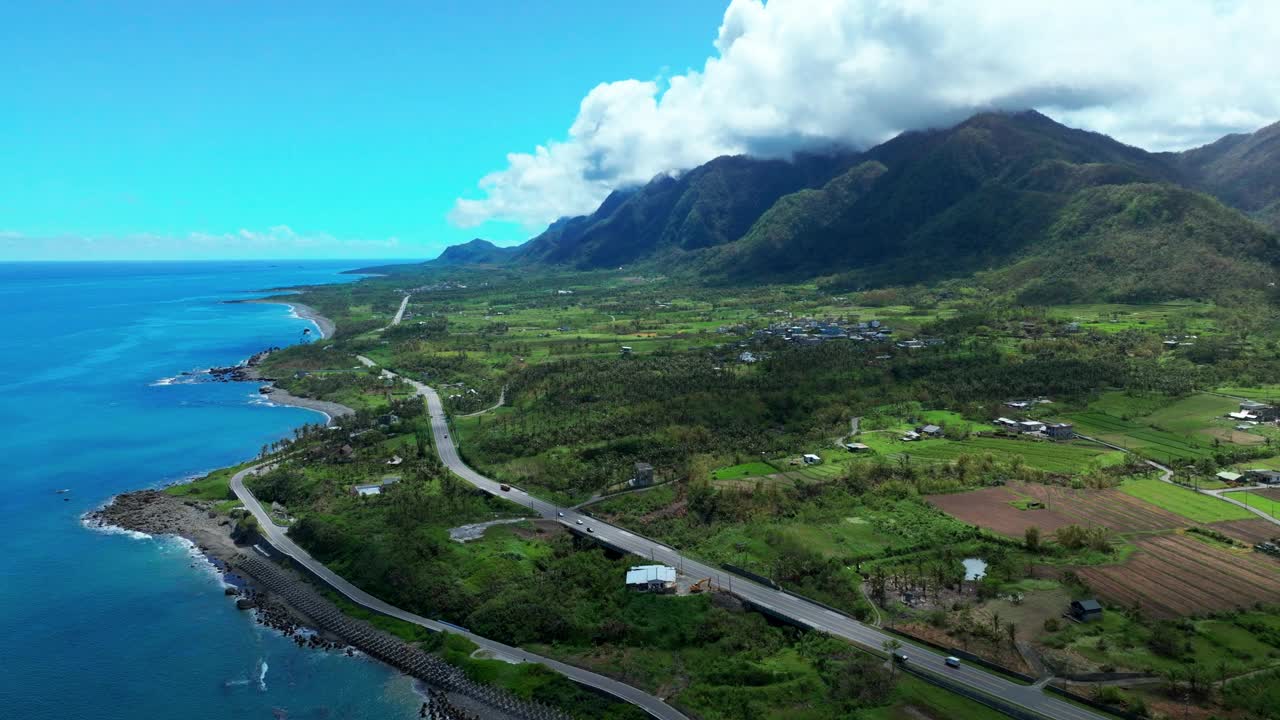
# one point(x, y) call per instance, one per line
point(214, 486)
point(1262, 392)
point(916, 699)
point(737, 472)
point(1270, 506)
point(1187, 503)
point(1192, 414)
point(1144, 440)
point(1051, 457)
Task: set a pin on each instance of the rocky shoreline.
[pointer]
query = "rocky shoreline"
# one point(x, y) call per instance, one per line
point(275, 594)
point(220, 539)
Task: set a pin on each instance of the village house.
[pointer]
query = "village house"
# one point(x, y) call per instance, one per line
point(930, 431)
point(374, 488)
point(1228, 476)
point(1086, 610)
point(1060, 432)
point(1265, 476)
point(1261, 411)
point(1031, 426)
point(811, 459)
point(856, 447)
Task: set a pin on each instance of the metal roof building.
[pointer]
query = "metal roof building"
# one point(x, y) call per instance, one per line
point(651, 577)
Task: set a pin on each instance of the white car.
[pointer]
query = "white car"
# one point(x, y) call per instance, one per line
point(579, 521)
point(559, 514)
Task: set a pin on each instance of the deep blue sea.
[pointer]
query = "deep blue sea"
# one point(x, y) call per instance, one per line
point(109, 626)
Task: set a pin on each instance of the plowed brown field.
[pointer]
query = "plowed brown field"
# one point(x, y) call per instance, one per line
point(1109, 508)
point(990, 508)
point(1174, 575)
point(1249, 531)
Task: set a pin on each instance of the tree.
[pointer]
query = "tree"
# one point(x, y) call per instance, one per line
point(892, 646)
point(1031, 537)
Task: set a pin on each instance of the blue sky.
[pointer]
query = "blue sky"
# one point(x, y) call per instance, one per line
point(239, 129)
point(214, 129)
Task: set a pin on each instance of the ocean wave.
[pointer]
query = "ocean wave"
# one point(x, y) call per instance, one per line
point(189, 378)
point(262, 675)
point(98, 525)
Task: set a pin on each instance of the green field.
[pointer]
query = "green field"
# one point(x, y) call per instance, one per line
point(1051, 457)
point(1261, 392)
point(1270, 506)
point(1191, 414)
point(1187, 503)
point(737, 472)
point(1144, 440)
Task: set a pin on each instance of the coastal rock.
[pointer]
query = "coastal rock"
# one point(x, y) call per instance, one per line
point(245, 604)
point(230, 591)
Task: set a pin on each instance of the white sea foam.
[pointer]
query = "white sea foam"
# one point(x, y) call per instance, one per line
point(108, 529)
point(262, 675)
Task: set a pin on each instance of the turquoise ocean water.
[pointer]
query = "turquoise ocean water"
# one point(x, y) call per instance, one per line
point(110, 626)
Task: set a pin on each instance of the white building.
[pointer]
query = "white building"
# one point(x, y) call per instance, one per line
point(652, 578)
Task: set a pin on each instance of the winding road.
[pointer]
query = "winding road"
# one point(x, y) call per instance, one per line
point(281, 542)
point(774, 601)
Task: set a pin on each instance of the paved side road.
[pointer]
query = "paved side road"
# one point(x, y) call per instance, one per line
point(789, 606)
point(277, 537)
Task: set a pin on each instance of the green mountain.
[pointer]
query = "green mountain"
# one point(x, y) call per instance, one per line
point(1241, 170)
point(671, 217)
point(947, 202)
point(474, 252)
point(1014, 200)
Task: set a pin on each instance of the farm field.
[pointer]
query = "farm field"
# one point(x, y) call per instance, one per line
point(993, 508)
point(1109, 508)
point(1064, 458)
point(1144, 440)
point(1191, 414)
point(1248, 531)
point(1187, 503)
point(1050, 457)
point(737, 472)
point(1173, 575)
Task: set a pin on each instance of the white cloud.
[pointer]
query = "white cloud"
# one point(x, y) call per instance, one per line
point(1160, 74)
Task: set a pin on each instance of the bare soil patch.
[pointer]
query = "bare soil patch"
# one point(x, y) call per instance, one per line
point(992, 508)
point(1174, 575)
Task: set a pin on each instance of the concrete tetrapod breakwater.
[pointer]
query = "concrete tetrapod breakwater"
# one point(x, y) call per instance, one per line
point(388, 648)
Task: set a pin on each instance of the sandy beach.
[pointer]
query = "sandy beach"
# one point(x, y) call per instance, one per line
point(280, 396)
point(306, 312)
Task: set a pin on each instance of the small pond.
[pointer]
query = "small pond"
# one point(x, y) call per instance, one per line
point(974, 568)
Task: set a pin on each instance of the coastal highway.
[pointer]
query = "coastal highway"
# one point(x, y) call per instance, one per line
point(278, 539)
point(775, 601)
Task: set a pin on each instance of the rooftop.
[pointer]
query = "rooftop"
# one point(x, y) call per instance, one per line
point(644, 574)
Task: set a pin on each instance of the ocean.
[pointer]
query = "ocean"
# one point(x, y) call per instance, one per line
point(114, 626)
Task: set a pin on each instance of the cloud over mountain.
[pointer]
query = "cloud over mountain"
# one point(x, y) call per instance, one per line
point(806, 74)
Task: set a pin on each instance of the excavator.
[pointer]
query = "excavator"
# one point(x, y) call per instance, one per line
point(702, 585)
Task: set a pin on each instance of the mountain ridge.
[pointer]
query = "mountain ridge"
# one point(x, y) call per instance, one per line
point(985, 197)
